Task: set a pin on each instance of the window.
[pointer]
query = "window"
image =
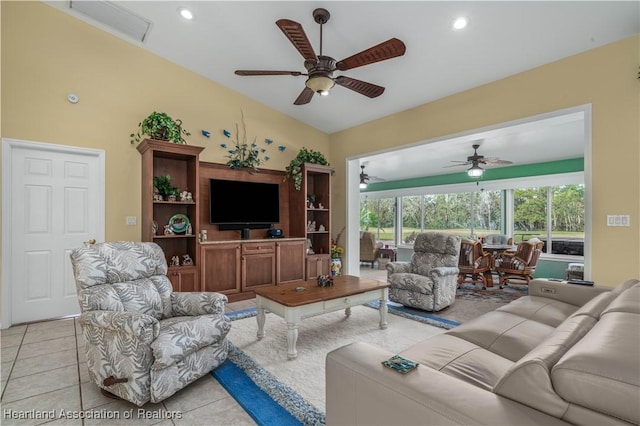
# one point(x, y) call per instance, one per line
point(552, 212)
point(378, 216)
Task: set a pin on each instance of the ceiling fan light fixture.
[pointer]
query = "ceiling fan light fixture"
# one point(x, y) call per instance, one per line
point(460, 23)
point(185, 13)
point(320, 84)
point(363, 184)
point(475, 171)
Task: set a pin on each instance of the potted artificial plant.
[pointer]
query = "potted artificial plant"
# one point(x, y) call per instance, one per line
point(294, 169)
point(159, 125)
point(162, 185)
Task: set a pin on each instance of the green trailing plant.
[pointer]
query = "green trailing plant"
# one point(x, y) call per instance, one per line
point(294, 169)
point(244, 155)
point(159, 125)
point(163, 185)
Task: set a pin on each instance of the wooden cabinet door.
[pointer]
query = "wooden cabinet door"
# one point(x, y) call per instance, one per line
point(184, 278)
point(258, 265)
point(220, 267)
point(317, 264)
point(290, 256)
point(258, 270)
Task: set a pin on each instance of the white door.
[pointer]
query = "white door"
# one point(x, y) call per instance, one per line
point(55, 202)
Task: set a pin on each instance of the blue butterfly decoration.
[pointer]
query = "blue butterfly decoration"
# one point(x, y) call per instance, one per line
point(223, 145)
point(268, 141)
point(206, 133)
point(226, 133)
point(266, 158)
point(282, 148)
point(263, 150)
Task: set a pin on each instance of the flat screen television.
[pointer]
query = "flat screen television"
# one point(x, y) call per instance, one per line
point(243, 205)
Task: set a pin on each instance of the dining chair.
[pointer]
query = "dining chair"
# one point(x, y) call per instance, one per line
point(519, 265)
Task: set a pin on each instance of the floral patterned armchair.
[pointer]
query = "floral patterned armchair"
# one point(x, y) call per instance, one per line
point(143, 341)
point(430, 280)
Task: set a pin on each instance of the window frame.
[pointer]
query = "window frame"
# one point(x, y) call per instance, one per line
point(506, 186)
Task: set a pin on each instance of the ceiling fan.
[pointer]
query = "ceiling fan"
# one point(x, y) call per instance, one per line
point(476, 159)
point(365, 178)
point(320, 68)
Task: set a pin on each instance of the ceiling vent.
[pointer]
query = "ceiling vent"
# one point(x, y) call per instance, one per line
point(113, 17)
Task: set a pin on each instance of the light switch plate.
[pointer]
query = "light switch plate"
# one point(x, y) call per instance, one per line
point(132, 220)
point(618, 220)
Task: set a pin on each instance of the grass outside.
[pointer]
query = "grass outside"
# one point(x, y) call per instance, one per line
point(388, 236)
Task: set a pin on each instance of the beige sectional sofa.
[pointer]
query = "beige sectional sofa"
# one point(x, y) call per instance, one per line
point(564, 354)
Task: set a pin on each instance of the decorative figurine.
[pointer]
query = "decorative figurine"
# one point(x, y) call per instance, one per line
point(321, 228)
point(154, 227)
point(203, 235)
point(320, 206)
point(175, 261)
point(168, 230)
point(325, 281)
point(189, 229)
point(309, 247)
point(186, 260)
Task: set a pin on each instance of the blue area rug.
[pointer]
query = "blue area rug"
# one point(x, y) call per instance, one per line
point(417, 315)
point(268, 401)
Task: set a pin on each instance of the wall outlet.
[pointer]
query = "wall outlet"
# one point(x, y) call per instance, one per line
point(618, 220)
point(132, 220)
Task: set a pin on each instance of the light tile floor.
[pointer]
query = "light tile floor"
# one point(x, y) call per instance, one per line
point(44, 374)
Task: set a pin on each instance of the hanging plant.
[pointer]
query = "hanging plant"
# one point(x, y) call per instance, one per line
point(158, 125)
point(294, 169)
point(244, 155)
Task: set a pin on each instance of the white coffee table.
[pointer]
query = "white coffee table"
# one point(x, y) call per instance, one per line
point(293, 304)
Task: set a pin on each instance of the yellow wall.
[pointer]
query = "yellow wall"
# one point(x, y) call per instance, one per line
point(47, 54)
point(603, 77)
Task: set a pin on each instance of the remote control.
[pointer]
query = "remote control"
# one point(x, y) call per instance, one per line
point(580, 282)
point(555, 279)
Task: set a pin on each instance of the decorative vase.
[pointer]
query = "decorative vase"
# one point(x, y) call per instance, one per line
point(336, 266)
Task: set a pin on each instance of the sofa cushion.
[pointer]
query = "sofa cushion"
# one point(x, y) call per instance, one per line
point(541, 309)
point(596, 306)
point(412, 282)
point(503, 333)
point(181, 336)
point(606, 359)
point(534, 368)
point(140, 296)
point(460, 359)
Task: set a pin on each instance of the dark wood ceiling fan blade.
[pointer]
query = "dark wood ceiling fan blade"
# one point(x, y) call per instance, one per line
point(265, 72)
point(304, 97)
point(381, 52)
point(368, 89)
point(297, 37)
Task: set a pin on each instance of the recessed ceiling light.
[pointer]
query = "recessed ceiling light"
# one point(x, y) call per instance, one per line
point(459, 23)
point(185, 13)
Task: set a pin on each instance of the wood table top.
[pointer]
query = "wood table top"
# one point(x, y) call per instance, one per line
point(343, 285)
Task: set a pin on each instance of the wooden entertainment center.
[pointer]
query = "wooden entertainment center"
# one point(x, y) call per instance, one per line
point(225, 262)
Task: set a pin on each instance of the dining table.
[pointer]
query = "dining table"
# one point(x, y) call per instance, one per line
point(495, 249)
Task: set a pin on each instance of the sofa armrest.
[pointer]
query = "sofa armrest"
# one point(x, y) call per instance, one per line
point(362, 391)
point(398, 267)
point(197, 303)
point(139, 326)
point(573, 294)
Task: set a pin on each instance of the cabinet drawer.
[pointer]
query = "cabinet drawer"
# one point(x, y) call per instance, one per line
point(258, 248)
point(356, 299)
